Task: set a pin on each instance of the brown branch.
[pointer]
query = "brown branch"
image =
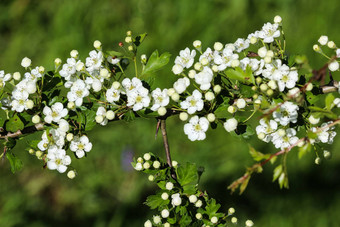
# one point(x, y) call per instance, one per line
point(165, 142)
point(27, 130)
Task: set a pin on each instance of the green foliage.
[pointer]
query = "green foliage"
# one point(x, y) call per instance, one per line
point(15, 162)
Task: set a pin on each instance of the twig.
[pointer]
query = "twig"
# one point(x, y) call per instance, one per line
point(27, 130)
point(166, 147)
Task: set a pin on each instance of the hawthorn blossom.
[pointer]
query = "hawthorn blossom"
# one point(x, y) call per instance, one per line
point(324, 133)
point(80, 145)
point(4, 78)
point(208, 54)
point(224, 60)
point(19, 101)
point(285, 78)
point(53, 138)
point(196, 128)
point(266, 127)
point(55, 113)
point(68, 69)
point(112, 95)
point(138, 98)
point(284, 138)
point(241, 44)
point(101, 111)
point(130, 85)
point(185, 58)
point(160, 98)
point(57, 159)
point(94, 62)
point(286, 113)
point(193, 103)
point(204, 78)
point(181, 85)
point(269, 32)
point(78, 92)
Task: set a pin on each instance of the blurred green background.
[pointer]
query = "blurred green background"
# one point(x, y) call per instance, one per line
point(107, 192)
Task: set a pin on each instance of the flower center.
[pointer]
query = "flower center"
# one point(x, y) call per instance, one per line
point(81, 146)
point(198, 127)
point(79, 93)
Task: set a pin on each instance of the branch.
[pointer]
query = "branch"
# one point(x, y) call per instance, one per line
point(27, 130)
point(166, 146)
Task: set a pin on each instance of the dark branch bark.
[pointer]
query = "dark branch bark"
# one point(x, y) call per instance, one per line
point(27, 130)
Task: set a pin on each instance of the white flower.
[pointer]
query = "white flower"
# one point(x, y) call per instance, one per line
point(241, 44)
point(55, 113)
point(57, 159)
point(223, 61)
point(113, 60)
point(193, 103)
point(176, 199)
point(93, 63)
point(138, 98)
point(323, 40)
point(204, 78)
point(64, 126)
point(324, 133)
point(102, 112)
point(285, 78)
point(78, 92)
point(4, 78)
point(230, 125)
point(196, 128)
point(208, 54)
point(267, 127)
point(333, 66)
point(139, 166)
point(54, 138)
point(284, 138)
point(26, 62)
point(130, 85)
point(80, 145)
point(241, 103)
point(160, 98)
point(68, 69)
point(181, 85)
point(269, 32)
point(19, 102)
point(185, 58)
point(112, 94)
point(286, 113)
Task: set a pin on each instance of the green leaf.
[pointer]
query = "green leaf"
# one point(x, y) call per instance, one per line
point(185, 220)
point(240, 75)
point(16, 163)
point(139, 39)
point(129, 116)
point(212, 208)
point(14, 124)
point(257, 156)
point(3, 117)
point(187, 177)
point(222, 111)
point(115, 53)
point(283, 181)
point(329, 101)
point(155, 63)
point(90, 119)
point(304, 149)
point(277, 172)
point(311, 98)
point(154, 201)
point(244, 184)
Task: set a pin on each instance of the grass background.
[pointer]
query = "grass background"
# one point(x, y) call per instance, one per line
point(107, 192)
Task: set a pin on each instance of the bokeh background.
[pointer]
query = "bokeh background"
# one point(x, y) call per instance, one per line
point(107, 192)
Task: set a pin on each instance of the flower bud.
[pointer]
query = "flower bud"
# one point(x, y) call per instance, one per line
point(198, 66)
point(309, 87)
point(277, 19)
point(241, 103)
point(263, 87)
point(156, 164)
point(198, 203)
point(234, 220)
point(97, 44)
point(215, 68)
point(318, 161)
point(261, 135)
point(218, 46)
point(183, 116)
point(193, 199)
point(175, 97)
point(169, 186)
point(231, 211)
point(316, 48)
point(174, 163)
point(333, 66)
point(74, 54)
point(146, 165)
point(71, 105)
point(198, 216)
point(230, 125)
point(323, 40)
point(29, 104)
point(161, 111)
point(231, 109)
point(99, 119)
point(272, 84)
point(138, 166)
point(80, 66)
point(130, 48)
point(331, 44)
point(147, 156)
point(105, 73)
point(165, 196)
point(156, 219)
point(197, 44)
point(327, 154)
point(148, 223)
point(26, 62)
point(165, 213)
point(209, 96)
point(313, 120)
point(191, 74)
point(281, 132)
point(258, 80)
point(270, 92)
point(177, 69)
point(267, 59)
point(151, 178)
point(69, 137)
point(41, 69)
point(253, 40)
point(262, 52)
point(166, 224)
point(57, 62)
point(16, 76)
point(128, 39)
point(31, 151)
point(71, 174)
point(129, 33)
point(39, 154)
point(214, 220)
point(235, 63)
point(140, 160)
point(204, 61)
point(143, 59)
point(110, 115)
point(217, 89)
point(116, 85)
point(35, 119)
point(211, 117)
point(249, 223)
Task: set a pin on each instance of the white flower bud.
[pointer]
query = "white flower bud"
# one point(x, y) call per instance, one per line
point(281, 132)
point(267, 59)
point(169, 186)
point(253, 40)
point(130, 48)
point(313, 120)
point(198, 203)
point(249, 223)
point(171, 91)
point(128, 39)
point(215, 68)
point(183, 116)
point(148, 223)
point(161, 111)
point(316, 48)
point(156, 164)
point(80, 66)
point(192, 74)
point(231, 210)
point(146, 165)
point(327, 154)
point(331, 44)
point(129, 33)
point(263, 87)
point(323, 40)
point(69, 137)
point(147, 156)
point(71, 174)
point(74, 54)
point(165, 213)
point(214, 220)
point(29, 104)
point(234, 220)
point(333, 66)
point(209, 96)
point(110, 115)
point(143, 59)
point(165, 196)
point(317, 161)
point(235, 63)
point(217, 89)
point(105, 73)
point(41, 69)
point(198, 216)
point(175, 97)
point(64, 126)
point(231, 109)
point(277, 19)
point(177, 69)
point(241, 103)
point(166, 224)
point(71, 105)
point(211, 117)
point(138, 166)
point(218, 46)
point(309, 87)
point(197, 44)
point(116, 85)
point(174, 163)
point(16, 76)
point(39, 154)
point(57, 62)
point(140, 160)
point(151, 178)
point(258, 101)
point(204, 61)
point(272, 84)
point(26, 62)
point(99, 119)
point(262, 52)
point(193, 199)
point(97, 44)
point(270, 92)
point(35, 119)
point(176, 199)
point(261, 135)
point(198, 66)
point(97, 85)
point(270, 53)
point(31, 151)
point(230, 125)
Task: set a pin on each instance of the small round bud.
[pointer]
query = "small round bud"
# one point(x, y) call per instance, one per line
point(29, 104)
point(258, 101)
point(197, 44)
point(146, 165)
point(128, 39)
point(327, 154)
point(267, 59)
point(218, 46)
point(313, 120)
point(198, 203)
point(165, 196)
point(333, 66)
point(16, 76)
point(169, 186)
point(80, 66)
point(323, 40)
point(110, 115)
point(331, 44)
point(183, 116)
point(138, 166)
point(193, 199)
point(215, 68)
point(147, 156)
point(316, 48)
point(241, 103)
point(165, 213)
point(121, 44)
point(231, 109)
point(116, 85)
point(39, 154)
point(230, 125)
point(140, 160)
point(272, 84)
point(318, 161)
point(198, 66)
point(99, 119)
point(177, 69)
point(263, 87)
point(166, 224)
point(255, 96)
point(97, 44)
point(209, 96)
point(234, 220)
point(261, 135)
point(217, 89)
point(26, 62)
point(71, 105)
point(156, 164)
point(211, 117)
point(175, 97)
point(143, 58)
point(192, 74)
point(214, 220)
point(270, 92)
point(258, 80)
point(104, 73)
point(171, 91)
point(204, 61)
point(71, 174)
point(35, 119)
point(69, 137)
point(253, 40)
point(198, 216)
point(129, 33)
point(148, 223)
point(262, 52)
point(270, 53)
point(151, 178)
point(57, 62)
point(161, 111)
point(235, 63)
point(277, 19)
point(249, 223)
point(174, 163)
point(31, 151)
point(74, 53)
point(231, 210)
point(309, 87)
point(130, 48)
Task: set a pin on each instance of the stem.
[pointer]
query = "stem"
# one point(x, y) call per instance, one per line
point(165, 142)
